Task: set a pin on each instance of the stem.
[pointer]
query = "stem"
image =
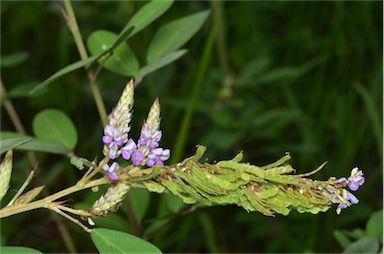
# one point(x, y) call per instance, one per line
point(15, 119)
point(32, 161)
point(44, 203)
point(74, 28)
point(186, 122)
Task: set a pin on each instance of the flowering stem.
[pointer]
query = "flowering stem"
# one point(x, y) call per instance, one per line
point(74, 28)
point(44, 203)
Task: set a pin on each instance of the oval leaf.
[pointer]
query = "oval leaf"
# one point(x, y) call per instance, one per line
point(32, 144)
point(18, 250)
point(122, 61)
point(147, 14)
point(175, 34)
point(111, 241)
point(54, 125)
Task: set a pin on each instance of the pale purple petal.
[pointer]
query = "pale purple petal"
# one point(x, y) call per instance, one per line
point(353, 186)
point(137, 158)
point(107, 139)
point(157, 151)
point(343, 205)
point(114, 167)
point(113, 176)
point(165, 154)
point(106, 167)
point(150, 162)
point(352, 198)
point(153, 144)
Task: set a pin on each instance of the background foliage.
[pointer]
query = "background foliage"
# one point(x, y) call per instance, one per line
point(261, 77)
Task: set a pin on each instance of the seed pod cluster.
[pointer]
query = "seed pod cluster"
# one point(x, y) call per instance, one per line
point(270, 189)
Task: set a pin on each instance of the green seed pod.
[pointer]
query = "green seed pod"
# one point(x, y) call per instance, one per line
point(111, 200)
point(5, 173)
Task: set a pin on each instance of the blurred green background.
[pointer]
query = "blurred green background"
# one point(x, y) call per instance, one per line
point(262, 77)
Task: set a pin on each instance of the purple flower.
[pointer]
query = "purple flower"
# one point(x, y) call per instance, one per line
point(356, 179)
point(348, 199)
point(116, 131)
point(148, 151)
point(157, 157)
point(111, 170)
point(137, 158)
point(128, 149)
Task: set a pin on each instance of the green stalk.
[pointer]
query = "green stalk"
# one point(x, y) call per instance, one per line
point(178, 150)
point(74, 28)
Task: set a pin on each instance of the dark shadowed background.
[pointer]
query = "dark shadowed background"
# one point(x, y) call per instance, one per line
point(298, 77)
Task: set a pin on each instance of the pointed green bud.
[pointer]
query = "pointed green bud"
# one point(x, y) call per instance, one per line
point(126, 100)
point(5, 173)
point(153, 120)
point(110, 201)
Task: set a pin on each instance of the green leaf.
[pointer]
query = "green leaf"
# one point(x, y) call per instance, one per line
point(54, 125)
point(139, 201)
point(366, 244)
point(147, 14)
point(35, 144)
point(18, 250)
point(342, 238)
point(160, 63)
point(174, 203)
point(122, 61)
point(13, 59)
point(111, 241)
point(175, 34)
point(375, 225)
point(24, 89)
point(8, 144)
point(66, 70)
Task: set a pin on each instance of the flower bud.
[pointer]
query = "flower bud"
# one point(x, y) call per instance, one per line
point(5, 173)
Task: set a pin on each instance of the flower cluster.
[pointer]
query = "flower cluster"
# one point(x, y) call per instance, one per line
point(116, 141)
point(342, 196)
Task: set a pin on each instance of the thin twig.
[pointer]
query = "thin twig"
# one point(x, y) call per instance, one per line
point(76, 221)
point(15, 119)
point(281, 161)
point(74, 28)
point(32, 160)
point(73, 211)
point(312, 172)
point(25, 184)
